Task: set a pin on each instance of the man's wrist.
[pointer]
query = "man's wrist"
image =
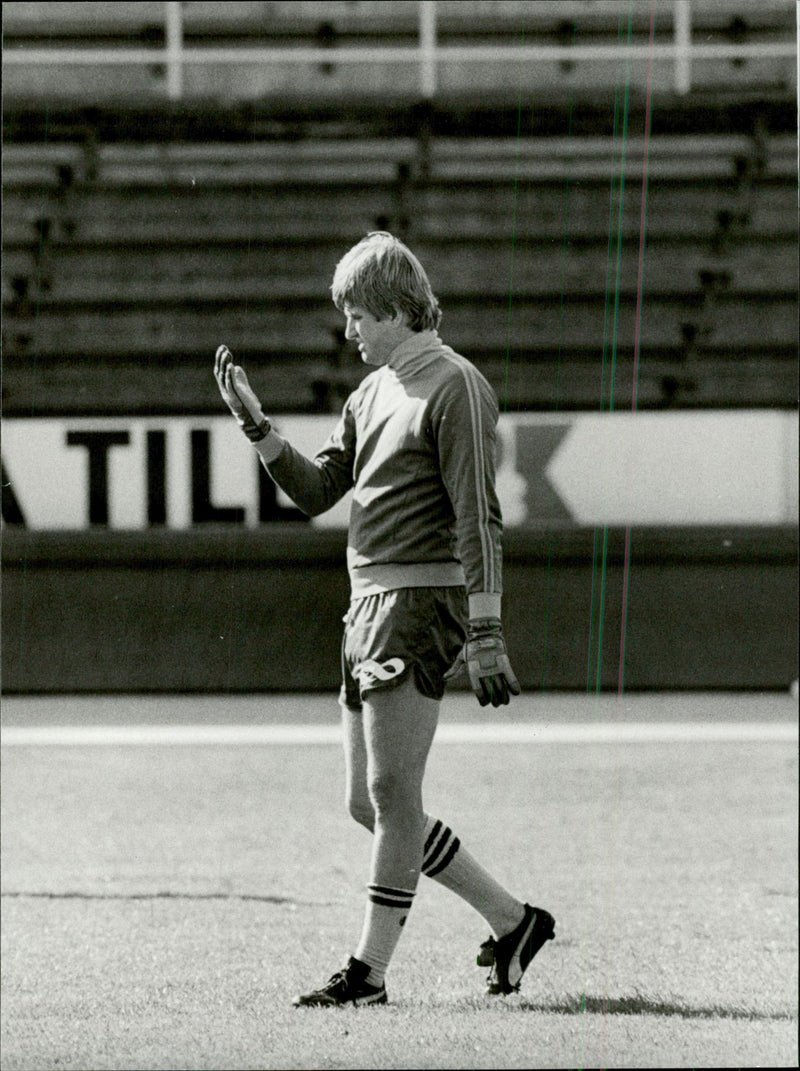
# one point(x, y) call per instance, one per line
point(270, 446)
point(481, 627)
point(255, 430)
point(484, 604)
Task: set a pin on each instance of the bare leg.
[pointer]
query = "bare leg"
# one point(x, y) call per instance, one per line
point(399, 726)
point(386, 750)
point(359, 805)
point(463, 875)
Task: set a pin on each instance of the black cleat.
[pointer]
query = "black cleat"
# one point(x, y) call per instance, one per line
point(346, 987)
point(510, 956)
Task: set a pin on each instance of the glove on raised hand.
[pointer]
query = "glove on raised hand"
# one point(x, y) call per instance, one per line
point(485, 659)
point(239, 396)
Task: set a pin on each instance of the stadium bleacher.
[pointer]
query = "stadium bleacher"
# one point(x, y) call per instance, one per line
point(122, 256)
point(599, 237)
point(362, 25)
point(126, 249)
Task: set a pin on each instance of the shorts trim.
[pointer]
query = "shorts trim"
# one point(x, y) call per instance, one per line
point(372, 675)
point(406, 632)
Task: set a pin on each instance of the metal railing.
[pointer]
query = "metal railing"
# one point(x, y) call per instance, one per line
point(427, 55)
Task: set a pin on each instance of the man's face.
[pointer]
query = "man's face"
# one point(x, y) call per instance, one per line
point(376, 338)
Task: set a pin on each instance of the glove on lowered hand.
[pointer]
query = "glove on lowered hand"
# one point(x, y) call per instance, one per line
point(484, 656)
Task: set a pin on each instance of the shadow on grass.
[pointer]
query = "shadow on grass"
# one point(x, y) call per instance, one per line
point(264, 899)
point(640, 1005)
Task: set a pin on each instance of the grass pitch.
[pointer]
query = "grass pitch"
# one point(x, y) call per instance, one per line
point(162, 905)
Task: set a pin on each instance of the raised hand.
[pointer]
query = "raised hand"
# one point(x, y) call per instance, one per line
point(239, 396)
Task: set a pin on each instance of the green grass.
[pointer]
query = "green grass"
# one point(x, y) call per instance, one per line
point(162, 905)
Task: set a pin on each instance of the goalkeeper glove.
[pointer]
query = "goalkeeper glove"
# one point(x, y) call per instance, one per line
point(484, 656)
point(239, 396)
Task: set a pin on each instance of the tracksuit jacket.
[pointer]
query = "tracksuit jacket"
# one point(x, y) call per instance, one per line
point(417, 443)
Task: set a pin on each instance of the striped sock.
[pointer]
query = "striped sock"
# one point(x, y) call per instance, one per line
point(450, 864)
point(441, 845)
point(387, 911)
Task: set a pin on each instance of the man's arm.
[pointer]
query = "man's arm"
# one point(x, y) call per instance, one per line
point(464, 418)
point(313, 485)
point(466, 429)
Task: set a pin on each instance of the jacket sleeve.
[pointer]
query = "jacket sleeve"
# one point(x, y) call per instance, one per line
point(465, 428)
point(314, 485)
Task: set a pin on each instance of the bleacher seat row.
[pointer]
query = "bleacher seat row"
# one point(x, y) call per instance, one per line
point(672, 254)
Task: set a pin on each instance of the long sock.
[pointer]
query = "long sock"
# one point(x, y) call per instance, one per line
point(448, 862)
point(387, 911)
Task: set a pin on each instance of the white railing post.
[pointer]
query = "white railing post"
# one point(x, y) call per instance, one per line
point(683, 47)
point(426, 54)
point(174, 49)
point(427, 48)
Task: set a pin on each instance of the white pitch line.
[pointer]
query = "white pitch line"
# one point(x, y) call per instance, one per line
point(473, 733)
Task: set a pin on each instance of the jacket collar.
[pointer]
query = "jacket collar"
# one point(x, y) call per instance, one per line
point(415, 353)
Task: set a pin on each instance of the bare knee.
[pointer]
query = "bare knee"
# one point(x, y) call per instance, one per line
point(361, 810)
point(393, 795)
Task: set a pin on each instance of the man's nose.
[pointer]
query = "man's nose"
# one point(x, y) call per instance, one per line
point(349, 331)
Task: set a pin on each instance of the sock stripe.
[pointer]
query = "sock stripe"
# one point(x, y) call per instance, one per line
point(389, 897)
point(437, 868)
point(440, 847)
point(436, 848)
point(384, 902)
point(434, 833)
point(390, 890)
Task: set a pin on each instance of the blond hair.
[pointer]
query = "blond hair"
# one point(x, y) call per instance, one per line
point(382, 275)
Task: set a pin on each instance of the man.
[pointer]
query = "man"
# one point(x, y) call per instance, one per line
point(416, 444)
